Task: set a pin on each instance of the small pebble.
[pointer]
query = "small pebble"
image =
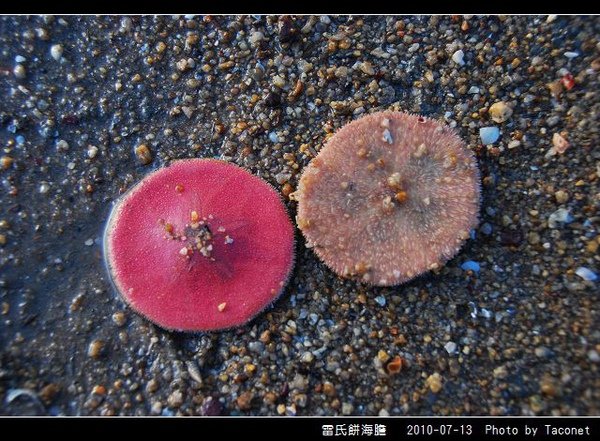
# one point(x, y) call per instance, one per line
point(48, 392)
point(341, 72)
point(89, 242)
point(562, 215)
point(95, 349)
point(119, 318)
point(367, 68)
point(470, 265)
point(347, 408)
point(458, 57)
point(256, 37)
point(553, 120)
point(561, 196)
point(533, 238)
point(19, 71)
point(593, 356)
point(6, 162)
point(489, 135)
point(380, 300)
point(92, 152)
point(156, 408)
point(559, 143)
point(244, 401)
point(62, 145)
point(278, 81)
point(175, 400)
point(500, 112)
point(586, 274)
point(500, 372)
point(434, 382)
point(56, 51)
point(543, 352)
point(143, 154)
point(126, 24)
point(450, 347)
point(307, 357)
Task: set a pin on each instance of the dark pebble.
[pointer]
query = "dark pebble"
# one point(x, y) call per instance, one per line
point(511, 237)
point(211, 407)
point(273, 99)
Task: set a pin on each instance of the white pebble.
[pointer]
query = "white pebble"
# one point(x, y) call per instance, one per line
point(561, 215)
point(586, 274)
point(273, 137)
point(126, 24)
point(56, 51)
point(458, 57)
point(387, 137)
point(89, 242)
point(20, 58)
point(307, 357)
point(489, 135)
point(255, 37)
point(570, 55)
point(62, 145)
point(92, 151)
point(44, 187)
point(450, 347)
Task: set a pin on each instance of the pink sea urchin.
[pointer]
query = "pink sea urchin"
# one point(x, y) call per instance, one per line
point(200, 245)
point(390, 196)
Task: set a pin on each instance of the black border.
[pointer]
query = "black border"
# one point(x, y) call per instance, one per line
point(576, 7)
point(278, 428)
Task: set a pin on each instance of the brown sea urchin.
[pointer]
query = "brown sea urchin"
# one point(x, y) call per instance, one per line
point(390, 196)
point(200, 245)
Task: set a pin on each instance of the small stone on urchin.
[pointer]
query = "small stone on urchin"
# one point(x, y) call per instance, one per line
point(394, 210)
point(171, 260)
